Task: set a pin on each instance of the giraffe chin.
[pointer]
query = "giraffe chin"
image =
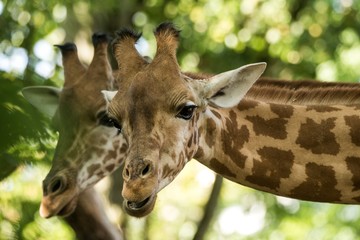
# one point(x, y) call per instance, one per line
point(142, 208)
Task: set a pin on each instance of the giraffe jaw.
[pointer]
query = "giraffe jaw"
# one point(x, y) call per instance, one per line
point(141, 208)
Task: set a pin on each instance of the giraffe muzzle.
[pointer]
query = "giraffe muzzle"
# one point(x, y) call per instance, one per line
point(58, 206)
point(59, 196)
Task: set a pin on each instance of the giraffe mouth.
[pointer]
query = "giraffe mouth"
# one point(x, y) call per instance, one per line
point(68, 209)
point(140, 208)
point(48, 210)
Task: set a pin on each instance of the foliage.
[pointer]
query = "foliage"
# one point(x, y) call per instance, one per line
point(20, 142)
point(298, 39)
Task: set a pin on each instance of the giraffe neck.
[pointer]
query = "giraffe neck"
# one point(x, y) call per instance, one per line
point(304, 152)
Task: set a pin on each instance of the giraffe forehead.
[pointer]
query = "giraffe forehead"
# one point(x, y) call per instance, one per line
point(148, 94)
point(81, 104)
point(155, 85)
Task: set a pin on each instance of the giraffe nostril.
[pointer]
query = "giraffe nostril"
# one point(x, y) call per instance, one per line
point(127, 172)
point(57, 185)
point(137, 169)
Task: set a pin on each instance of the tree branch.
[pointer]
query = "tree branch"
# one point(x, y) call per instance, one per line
point(209, 208)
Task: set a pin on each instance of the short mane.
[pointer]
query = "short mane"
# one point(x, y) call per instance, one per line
point(305, 92)
point(300, 92)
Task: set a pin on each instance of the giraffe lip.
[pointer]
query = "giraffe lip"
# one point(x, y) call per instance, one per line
point(137, 205)
point(64, 210)
point(141, 208)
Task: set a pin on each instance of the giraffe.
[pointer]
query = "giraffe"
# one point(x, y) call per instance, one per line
point(304, 151)
point(85, 137)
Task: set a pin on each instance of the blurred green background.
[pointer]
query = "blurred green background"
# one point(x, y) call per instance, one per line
point(299, 39)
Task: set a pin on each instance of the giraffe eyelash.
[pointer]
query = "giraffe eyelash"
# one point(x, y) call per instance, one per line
point(107, 121)
point(187, 111)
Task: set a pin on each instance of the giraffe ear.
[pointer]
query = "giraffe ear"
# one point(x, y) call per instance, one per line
point(108, 95)
point(227, 89)
point(44, 98)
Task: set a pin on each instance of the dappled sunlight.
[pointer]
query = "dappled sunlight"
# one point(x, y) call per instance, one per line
point(236, 219)
point(1, 7)
point(59, 13)
point(327, 71)
point(19, 201)
point(291, 205)
point(190, 62)
point(44, 50)
point(16, 61)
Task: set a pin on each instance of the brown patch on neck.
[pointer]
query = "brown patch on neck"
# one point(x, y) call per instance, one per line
point(275, 128)
point(98, 151)
point(233, 138)
point(319, 185)
point(354, 123)
point(246, 105)
point(353, 164)
point(199, 153)
point(275, 164)
point(322, 109)
point(123, 148)
point(110, 168)
point(220, 168)
point(92, 169)
point(211, 132)
point(318, 138)
point(112, 154)
point(283, 111)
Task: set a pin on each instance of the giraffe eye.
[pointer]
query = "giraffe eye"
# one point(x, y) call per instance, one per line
point(186, 112)
point(107, 121)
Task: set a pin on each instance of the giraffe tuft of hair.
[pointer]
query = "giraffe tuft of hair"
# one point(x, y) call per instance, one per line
point(67, 47)
point(127, 33)
point(100, 37)
point(168, 28)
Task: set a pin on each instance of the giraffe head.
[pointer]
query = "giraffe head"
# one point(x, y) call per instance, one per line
point(159, 111)
point(88, 147)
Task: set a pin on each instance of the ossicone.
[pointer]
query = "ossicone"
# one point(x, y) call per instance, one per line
point(167, 40)
point(73, 68)
point(128, 58)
